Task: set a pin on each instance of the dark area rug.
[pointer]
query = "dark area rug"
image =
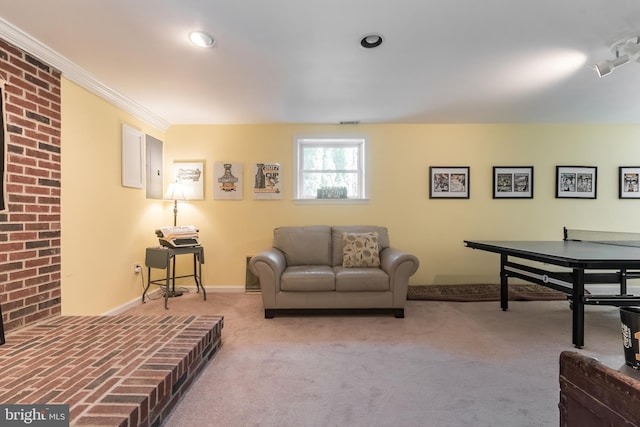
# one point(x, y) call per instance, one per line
point(483, 292)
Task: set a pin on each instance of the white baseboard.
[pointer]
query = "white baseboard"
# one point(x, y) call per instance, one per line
point(138, 300)
point(222, 289)
point(126, 306)
point(594, 289)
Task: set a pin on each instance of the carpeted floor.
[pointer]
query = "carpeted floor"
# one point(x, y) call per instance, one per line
point(445, 364)
point(483, 292)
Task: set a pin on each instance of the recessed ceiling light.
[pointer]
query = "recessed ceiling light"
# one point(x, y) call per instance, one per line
point(371, 40)
point(200, 38)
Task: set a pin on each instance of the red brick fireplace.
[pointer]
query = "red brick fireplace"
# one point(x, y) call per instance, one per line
point(30, 228)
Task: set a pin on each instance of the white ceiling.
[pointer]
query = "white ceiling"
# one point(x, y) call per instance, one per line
point(300, 61)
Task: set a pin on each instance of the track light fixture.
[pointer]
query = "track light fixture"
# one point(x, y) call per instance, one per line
point(625, 50)
point(606, 67)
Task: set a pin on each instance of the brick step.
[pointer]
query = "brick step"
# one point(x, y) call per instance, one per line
point(111, 370)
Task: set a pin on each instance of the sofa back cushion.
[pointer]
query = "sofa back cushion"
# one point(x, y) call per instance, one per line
point(304, 245)
point(337, 233)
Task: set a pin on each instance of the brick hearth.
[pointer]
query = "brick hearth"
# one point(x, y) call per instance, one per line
point(110, 370)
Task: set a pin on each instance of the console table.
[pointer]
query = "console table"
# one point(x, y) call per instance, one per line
point(165, 258)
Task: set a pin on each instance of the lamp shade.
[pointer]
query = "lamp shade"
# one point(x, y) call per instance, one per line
point(175, 191)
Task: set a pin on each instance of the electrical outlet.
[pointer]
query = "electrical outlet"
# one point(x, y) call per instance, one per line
point(137, 268)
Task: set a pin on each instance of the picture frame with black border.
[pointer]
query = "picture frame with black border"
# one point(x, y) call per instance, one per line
point(629, 182)
point(449, 182)
point(576, 182)
point(513, 182)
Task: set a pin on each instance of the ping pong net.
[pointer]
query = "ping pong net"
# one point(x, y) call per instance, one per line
point(604, 237)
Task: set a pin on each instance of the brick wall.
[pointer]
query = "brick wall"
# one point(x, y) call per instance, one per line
point(30, 228)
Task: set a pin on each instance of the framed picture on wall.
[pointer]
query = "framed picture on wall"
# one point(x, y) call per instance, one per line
point(191, 177)
point(266, 182)
point(451, 182)
point(513, 182)
point(227, 181)
point(629, 186)
point(576, 182)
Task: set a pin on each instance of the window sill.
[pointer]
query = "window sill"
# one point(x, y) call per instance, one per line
point(331, 201)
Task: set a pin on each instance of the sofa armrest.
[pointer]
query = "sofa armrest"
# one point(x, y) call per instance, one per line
point(399, 266)
point(268, 265)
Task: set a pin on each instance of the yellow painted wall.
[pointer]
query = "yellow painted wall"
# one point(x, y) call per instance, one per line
point(400, 155)
point(105, 227)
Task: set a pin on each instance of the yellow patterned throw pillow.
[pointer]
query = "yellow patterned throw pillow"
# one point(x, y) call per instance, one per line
point(360, 250)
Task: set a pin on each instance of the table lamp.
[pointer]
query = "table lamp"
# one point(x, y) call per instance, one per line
point(175, 192)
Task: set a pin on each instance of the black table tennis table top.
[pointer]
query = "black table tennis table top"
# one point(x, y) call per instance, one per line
point(570, 253)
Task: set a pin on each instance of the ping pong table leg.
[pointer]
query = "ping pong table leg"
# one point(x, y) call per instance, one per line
point(577, 301)
point(504, 289)
point(623, 281)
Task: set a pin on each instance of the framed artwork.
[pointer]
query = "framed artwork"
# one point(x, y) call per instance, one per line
point(449, 182)
point(266, 181)
point(576, 182)
point(191, 177)
point(629, 186)
point(227, 181)
point(513, 182)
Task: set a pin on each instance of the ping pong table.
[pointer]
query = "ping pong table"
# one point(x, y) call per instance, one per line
point(585, 262)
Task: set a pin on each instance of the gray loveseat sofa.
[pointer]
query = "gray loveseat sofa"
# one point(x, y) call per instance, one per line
point(333, 268)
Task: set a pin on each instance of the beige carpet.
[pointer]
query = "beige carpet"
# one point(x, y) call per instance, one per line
point(483, 292)
point(445, 364)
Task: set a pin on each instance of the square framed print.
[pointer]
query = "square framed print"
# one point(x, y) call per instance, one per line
point(513, 182)
point(629, 182)
point(267, 185)
point(190, 175)
point(449, 182)
point(576, 182)
point(227, 181)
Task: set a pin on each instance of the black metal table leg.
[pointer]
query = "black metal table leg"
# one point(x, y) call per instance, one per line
point(168, 280)
point(197, 273)
point(504, 285)
point(623, 281)
point(577, 300)
point(146, 288)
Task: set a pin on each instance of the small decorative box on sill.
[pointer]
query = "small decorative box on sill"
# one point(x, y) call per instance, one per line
point(332, 193)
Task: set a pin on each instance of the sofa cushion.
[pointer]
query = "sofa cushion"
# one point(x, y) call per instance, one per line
point(305, 245)
point(361, 279)
point(338, 231)
point(308, 278)
point(360, 250)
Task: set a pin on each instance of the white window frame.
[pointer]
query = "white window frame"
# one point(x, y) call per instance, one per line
point(360, 142)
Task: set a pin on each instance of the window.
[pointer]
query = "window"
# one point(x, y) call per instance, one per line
point(330, 168)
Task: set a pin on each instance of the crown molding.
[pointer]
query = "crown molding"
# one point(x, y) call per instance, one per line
point(78, 75)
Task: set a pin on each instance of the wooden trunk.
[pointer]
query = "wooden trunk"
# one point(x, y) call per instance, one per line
point(592, 394)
